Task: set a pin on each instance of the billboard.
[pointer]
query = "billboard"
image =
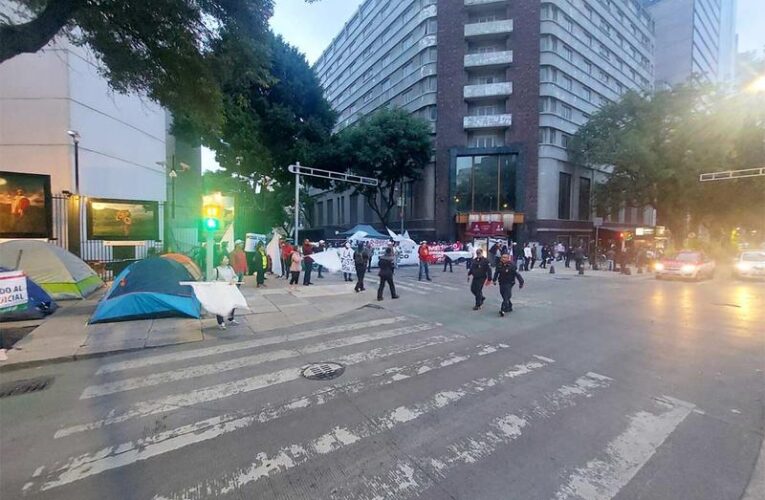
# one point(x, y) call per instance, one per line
point(25, 205)
point(123, 220)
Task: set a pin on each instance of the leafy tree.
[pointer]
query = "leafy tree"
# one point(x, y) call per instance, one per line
point(161, 48)
point(389, 145)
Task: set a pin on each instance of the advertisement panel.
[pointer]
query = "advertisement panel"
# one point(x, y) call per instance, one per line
point(125, 220)
point(25, 205)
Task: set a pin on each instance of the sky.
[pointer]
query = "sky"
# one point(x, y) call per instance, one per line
point(311, 27)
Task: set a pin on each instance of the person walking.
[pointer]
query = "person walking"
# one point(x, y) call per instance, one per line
point(610, 256)
point(534, 254)
point(370, 252)
point(307, 262)
point(224, 272)
point(294, 269)
point(360, 262)
point(481, 273)
point(545, 256)
point(346, 262)
point(239, 261)
point(447, 259)
point(320, 248)
point(567, 255)
point(506, 273)
point(386, 264)
point(579, 258)
point(260, 264)
point(424, 254)
point(493, 254)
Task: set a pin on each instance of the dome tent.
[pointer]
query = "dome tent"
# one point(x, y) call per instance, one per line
point(39, 305)
point(60, 273)
point(148, 289)
point(186, 262)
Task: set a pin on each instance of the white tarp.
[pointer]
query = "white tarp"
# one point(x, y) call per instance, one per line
point(329, 259)
point(218, 297)
point(273, 251)
point(13, 291)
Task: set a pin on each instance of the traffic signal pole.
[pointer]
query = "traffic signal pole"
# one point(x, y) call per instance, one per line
point(209, 255)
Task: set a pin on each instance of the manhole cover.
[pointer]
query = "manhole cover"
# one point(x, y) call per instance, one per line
point(322, 371)
point(24, 386)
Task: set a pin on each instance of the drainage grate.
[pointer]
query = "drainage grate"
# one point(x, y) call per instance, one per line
point(322, 371)
point(25, 386)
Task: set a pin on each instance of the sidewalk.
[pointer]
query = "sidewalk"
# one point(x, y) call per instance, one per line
point(563, 271)
point(66, 336)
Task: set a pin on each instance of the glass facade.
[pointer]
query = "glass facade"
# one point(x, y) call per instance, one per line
point(564, 196)
point(486, 183)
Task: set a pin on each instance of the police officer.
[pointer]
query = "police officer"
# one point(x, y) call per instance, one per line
point(507, 273)
point(481, 273)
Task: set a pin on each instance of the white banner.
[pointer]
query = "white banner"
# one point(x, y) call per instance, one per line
point(218, 297)
point(13, 291)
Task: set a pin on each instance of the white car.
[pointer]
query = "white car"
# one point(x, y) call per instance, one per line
point(685, 265)
point(750, 264)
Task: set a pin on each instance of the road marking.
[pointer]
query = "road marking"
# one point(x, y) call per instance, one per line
point(425, 285)
point(124, 454)
point(411, 289)
point(400, 482)
point(603, 478)
point(233, 388)
point(249, 344)
point(338, 438)
point(223, 366)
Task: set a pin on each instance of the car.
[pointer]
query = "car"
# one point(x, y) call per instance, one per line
point(750, 264)
point(687, 264)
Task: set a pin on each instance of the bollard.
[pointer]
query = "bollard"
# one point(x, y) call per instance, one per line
point(552, 268)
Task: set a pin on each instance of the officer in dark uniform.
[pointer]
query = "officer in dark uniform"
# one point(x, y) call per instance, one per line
point(481, 273)
point(507, 273)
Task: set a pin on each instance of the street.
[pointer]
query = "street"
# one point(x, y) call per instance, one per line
point(594, 387)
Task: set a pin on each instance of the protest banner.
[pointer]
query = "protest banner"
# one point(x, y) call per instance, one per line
point(13, 291)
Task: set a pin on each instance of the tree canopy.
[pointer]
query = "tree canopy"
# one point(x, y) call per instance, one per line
point(655, 147)
point(160, 48)
point(389, 145)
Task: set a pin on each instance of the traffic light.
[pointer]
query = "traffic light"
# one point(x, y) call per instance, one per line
point(212, 215)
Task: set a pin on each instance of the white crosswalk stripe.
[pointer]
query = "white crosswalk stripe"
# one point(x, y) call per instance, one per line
point(430, 285)
point(411, 289)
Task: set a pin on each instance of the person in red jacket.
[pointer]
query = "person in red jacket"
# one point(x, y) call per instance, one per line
point(239, 261)
point(307, 261)
point(424, 253)
point(286, 255)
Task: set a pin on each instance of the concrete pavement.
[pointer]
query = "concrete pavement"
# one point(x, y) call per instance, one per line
point(592, 389)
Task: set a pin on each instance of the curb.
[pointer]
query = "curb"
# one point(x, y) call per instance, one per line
point(756, 488)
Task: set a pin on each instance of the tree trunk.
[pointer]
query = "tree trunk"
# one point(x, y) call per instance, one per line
point(30, 37)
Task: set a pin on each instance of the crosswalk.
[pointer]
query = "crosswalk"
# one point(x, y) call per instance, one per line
point(449, 403)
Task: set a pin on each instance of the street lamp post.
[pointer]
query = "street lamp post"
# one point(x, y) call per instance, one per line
point(76, 140)
point(74, 202)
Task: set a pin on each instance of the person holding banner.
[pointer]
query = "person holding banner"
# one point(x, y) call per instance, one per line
point(347, 261)
point(481, 273)
point(224, 272)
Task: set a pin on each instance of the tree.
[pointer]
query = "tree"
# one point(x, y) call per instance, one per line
point(160, 48)
point(655, 147)
point(389, 145)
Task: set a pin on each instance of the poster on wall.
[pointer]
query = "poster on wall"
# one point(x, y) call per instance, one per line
point(25, 205)
point(123, 220)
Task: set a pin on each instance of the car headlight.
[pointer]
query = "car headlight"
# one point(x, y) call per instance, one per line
point(688, 269)
point(743, 266)
point(658, 266)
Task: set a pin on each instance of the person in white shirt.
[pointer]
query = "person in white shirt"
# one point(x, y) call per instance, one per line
point(224, 272)
point(527, 256)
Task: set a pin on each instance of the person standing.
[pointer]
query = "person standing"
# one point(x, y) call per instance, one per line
point(224, 272)
point(579, 258)
point(545, 256)
point(360, 262)
point(320, 248)
point(239, 261)
point(447, 259)
point(567, 255)
point(286, 255)
point(307, 262)
point(346, 262)
point(480, 270)
point(386, 264)
point(507, 273)
point(610, 256)
point(424, 254)
point(370, 252)
point(260, 264)
point(295, 262)
point(527, 256)
point(534, 255)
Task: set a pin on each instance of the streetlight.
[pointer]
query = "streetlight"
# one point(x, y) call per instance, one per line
point(173, 174)
point(76, 140)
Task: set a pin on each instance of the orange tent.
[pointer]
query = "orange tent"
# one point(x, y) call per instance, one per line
point(186, 261)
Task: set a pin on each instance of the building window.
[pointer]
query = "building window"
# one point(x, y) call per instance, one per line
point(564, 196)
point(584, 198)
point(330, 212)
point(463, 189)
point(569, 24)
point(568, 83)
point(586, 93)
point(319, 220)
point(485, 183)
point(564, 140)
point(485, 141)
point(568, 54)
point(354, 206)
point(566, 112)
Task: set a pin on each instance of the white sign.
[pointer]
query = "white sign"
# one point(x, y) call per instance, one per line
point(13, 291)
point(252, 240)
point(597, 221)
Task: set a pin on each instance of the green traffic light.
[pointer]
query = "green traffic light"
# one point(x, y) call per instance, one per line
point(211, 224)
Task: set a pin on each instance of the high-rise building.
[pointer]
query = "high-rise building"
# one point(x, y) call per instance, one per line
point(694, 38)
point(505, 84)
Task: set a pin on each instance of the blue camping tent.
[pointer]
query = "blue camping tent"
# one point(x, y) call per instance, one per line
point(371, 232)
point(148, 289)
point(40, 303)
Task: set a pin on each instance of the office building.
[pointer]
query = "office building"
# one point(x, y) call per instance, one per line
point(505, 84)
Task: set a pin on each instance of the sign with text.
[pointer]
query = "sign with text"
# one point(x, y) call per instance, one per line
point(486, 228)
point(13, 291)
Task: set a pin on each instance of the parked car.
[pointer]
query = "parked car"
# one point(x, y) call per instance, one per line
point(750, 264)
point(689, 265)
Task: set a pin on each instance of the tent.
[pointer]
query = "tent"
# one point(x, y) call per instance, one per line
point(371, 232)
point(148, 289)
point(40, 304)
point(62, 274)
point(186, 262)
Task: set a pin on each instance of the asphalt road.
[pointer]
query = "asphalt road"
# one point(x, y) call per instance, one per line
point(593, 388)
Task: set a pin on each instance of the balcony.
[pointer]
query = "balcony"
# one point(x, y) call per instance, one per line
point(488, 121)
point(472, 3)
point(502, 89)
point(490, 28)
point(489, 59)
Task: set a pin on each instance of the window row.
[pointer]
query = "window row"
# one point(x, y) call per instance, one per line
point(485, 183)
point(554, 137)
point(548, 74)
point(565, 196)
